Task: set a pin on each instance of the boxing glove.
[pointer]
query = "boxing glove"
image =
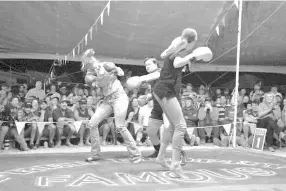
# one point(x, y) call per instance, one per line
point(89, 79)
point(119, 71)
point(142, 100)
point(133, 82)
point(109, 66)
point(202, 54)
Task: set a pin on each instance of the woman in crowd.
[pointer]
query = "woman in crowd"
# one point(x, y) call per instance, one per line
point(132, 122)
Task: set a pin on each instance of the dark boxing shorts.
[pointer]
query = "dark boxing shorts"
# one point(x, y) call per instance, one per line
point(157, 112)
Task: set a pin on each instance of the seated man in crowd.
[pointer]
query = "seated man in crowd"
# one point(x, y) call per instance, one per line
point(191, 116)
point(250, 120)
point(229, 116)
point(208, 116)
point(278, 114)
point(36, 92)
point(49, 129)
point(8, 128)
point(64, 118)
point(83, 114)
point(143, 119)
point(31, 128)
point(267, 119)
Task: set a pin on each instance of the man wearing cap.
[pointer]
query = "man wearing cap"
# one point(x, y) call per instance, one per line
point(30, 129)
point(63, 90)
point(37, 92)
point(49, 129)
point(82, 114)
point(64, 118)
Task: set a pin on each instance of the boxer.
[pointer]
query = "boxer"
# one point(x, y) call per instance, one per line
point(167, 89)
point(104, 75)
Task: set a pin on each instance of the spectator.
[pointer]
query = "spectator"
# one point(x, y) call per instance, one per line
point(9, 97)
point(86, 91)
point(3, 98)
point(278, 114)
point(208, 116)
point(107, 127)
point(30, 129)
point(22, 93)
point(82, 114)
point(8, 115)
point(274, 90)
point(226, 94)
point(242, 92)
point(229, 114)
point(217, 94)
point(132, 122)
point(25, 87)
point(53, 91)
point(191, 116)
point(143, 118)
point(54, 102)
point(221, 110)
point(250, 121)
point(134, 94)
point(267, 120)
point(257, 93)
point(49, 129)
point(64, 118)
point(36, 92)
point(63, 90)
point(283, 113)
point(245, 100)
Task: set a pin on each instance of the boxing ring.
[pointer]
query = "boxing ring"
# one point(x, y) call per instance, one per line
point(220, 169)
point(206, 169)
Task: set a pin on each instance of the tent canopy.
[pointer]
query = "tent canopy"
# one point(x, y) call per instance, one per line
point(134, 30)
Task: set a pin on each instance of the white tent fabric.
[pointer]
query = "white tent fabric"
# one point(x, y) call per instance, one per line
point(136, 29)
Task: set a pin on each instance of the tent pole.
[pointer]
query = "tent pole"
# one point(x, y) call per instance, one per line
point(237, 72)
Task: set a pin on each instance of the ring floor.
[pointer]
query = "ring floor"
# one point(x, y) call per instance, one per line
point(215, 169)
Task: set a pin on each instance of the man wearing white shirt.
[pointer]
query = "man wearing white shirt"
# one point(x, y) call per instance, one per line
point(37, 92)
point(143, 116)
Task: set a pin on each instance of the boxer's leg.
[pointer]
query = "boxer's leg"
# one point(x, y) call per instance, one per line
point(173, 111)
point(120, 106)
point(101, 113)
point(154, 124)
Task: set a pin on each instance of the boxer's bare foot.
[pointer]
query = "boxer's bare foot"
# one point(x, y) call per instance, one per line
point(162, 162)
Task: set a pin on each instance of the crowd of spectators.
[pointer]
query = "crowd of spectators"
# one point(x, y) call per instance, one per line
point(60, 107)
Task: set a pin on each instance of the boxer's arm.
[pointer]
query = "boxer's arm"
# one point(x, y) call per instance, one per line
point(89, 78)
point(111, 67)
point(150, 77)
point(180, 62)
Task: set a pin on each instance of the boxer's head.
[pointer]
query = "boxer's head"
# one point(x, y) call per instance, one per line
point(190, 35)
point(151, 64)
point(186, 41)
